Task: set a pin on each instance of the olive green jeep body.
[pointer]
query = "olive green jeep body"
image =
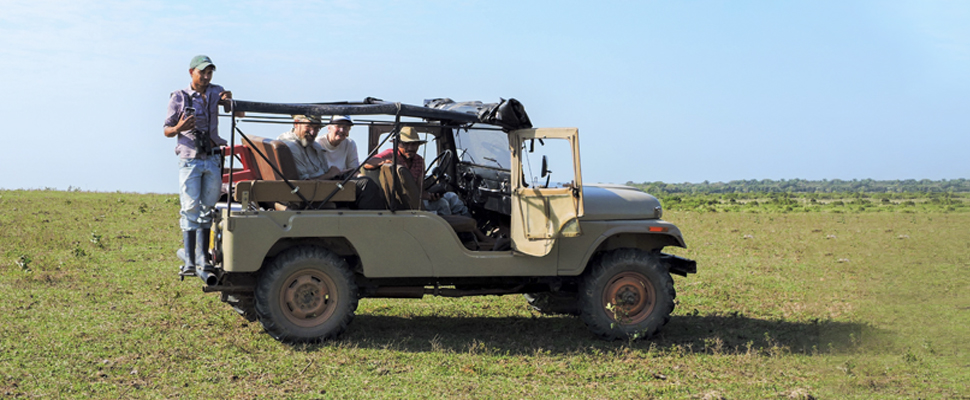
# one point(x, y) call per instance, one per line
point(290, 254)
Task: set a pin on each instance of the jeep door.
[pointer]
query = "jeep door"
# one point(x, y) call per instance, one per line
point(543, 212)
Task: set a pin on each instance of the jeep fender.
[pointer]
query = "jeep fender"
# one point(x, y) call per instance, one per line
point(598, 236)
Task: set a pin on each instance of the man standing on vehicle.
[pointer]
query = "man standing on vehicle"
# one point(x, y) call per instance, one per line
point(311, 162)
point(447, 203)
point(341, 151)
point(193, 118)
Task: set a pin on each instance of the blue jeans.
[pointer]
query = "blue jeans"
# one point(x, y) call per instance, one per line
point(448, 204)
point(200, 184)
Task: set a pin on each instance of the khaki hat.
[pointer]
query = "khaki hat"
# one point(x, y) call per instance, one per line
point(409, 135)
point(309, 118)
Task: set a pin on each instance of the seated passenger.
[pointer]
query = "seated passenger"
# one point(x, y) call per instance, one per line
point(311, 162)
point(447, 203)
point(341, 150)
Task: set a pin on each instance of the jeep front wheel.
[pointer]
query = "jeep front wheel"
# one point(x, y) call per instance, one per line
point(627, 294)
point(307, 294)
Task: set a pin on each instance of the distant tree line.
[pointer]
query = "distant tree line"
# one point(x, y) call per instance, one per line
point(808, 186)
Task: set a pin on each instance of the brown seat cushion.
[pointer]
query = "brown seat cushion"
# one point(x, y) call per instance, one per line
point(279, 156)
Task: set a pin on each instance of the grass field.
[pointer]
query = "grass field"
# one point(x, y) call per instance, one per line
point(813, 304)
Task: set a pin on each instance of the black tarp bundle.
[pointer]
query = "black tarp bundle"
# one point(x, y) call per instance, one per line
point(509, 114)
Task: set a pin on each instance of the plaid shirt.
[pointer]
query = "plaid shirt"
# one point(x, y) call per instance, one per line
point(415, 164)
point(206, 117)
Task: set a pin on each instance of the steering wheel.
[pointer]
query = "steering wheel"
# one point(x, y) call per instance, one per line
point(433, 174)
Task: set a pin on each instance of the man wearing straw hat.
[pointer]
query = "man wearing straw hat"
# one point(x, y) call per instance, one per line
point(447, 203)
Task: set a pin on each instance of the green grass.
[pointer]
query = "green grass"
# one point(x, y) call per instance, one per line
point(785, 305)
point(837, 203)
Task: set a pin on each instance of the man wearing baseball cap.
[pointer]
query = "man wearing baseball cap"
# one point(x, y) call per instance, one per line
point(341, 151)
point(311, 162)
point(193, 119)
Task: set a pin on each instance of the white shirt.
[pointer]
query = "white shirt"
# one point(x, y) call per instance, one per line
point(343, 156)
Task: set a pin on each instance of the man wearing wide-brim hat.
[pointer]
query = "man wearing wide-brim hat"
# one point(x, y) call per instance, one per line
point(447, 203)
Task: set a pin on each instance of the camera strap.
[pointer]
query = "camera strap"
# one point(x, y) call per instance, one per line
point(203, 142)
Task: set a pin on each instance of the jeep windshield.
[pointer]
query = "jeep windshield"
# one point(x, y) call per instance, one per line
point(483, 147)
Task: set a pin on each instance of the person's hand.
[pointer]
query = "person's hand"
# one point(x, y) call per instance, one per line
point(186, 123)
point(225, 97)
point(348, 171)
point(331, 173)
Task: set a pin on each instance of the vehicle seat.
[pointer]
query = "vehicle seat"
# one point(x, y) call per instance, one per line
point(279, 155)
point(249, 170)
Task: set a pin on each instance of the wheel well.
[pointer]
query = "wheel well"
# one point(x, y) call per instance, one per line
point(338, 245)
point(649, 242)
point(643, 241)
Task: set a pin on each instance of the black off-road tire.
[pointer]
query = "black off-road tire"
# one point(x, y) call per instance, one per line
point(306, 294)
point(554, 303)
point(627, 294)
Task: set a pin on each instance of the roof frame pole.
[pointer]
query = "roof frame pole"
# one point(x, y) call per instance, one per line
point(397, 143)
point(232, 152)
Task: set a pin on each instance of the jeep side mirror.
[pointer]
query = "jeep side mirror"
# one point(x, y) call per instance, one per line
point(546, 173)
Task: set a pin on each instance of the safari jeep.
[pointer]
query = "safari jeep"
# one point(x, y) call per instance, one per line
point(292, 254)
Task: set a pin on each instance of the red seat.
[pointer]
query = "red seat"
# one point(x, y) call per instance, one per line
point(249, 170)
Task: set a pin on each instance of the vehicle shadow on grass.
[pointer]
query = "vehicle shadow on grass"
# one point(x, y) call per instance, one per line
point(714, 334)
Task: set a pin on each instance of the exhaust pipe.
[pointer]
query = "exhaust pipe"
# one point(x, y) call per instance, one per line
point(208, 277)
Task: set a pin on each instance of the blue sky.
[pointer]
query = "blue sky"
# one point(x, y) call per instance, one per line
point(661, 91)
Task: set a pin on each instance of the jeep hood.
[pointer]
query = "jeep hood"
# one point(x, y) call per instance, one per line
point(614, 202)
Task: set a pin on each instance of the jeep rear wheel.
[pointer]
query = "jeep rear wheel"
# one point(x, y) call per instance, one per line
point(307, 294)
point(626, 294)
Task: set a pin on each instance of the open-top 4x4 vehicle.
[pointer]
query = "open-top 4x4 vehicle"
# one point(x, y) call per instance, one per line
point(289, 254)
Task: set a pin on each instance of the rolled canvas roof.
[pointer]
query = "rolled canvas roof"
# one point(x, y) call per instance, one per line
point(509, 117)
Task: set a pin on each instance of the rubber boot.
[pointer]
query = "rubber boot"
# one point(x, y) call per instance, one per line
point(202, 250)
point(188, 240)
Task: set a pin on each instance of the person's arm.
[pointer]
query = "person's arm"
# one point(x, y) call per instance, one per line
point(176, 121)
point(329, 175)
point(353, 162)
point(375, 163)
point(225, 98)
point(378, 160)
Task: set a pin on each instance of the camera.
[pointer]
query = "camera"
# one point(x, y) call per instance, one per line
point(201, 139)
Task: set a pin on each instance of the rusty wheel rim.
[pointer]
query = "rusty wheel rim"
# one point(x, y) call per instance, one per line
point(307, 298)
point(629, 298)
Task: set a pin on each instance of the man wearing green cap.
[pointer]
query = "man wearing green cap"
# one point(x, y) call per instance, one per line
point(193, 118)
